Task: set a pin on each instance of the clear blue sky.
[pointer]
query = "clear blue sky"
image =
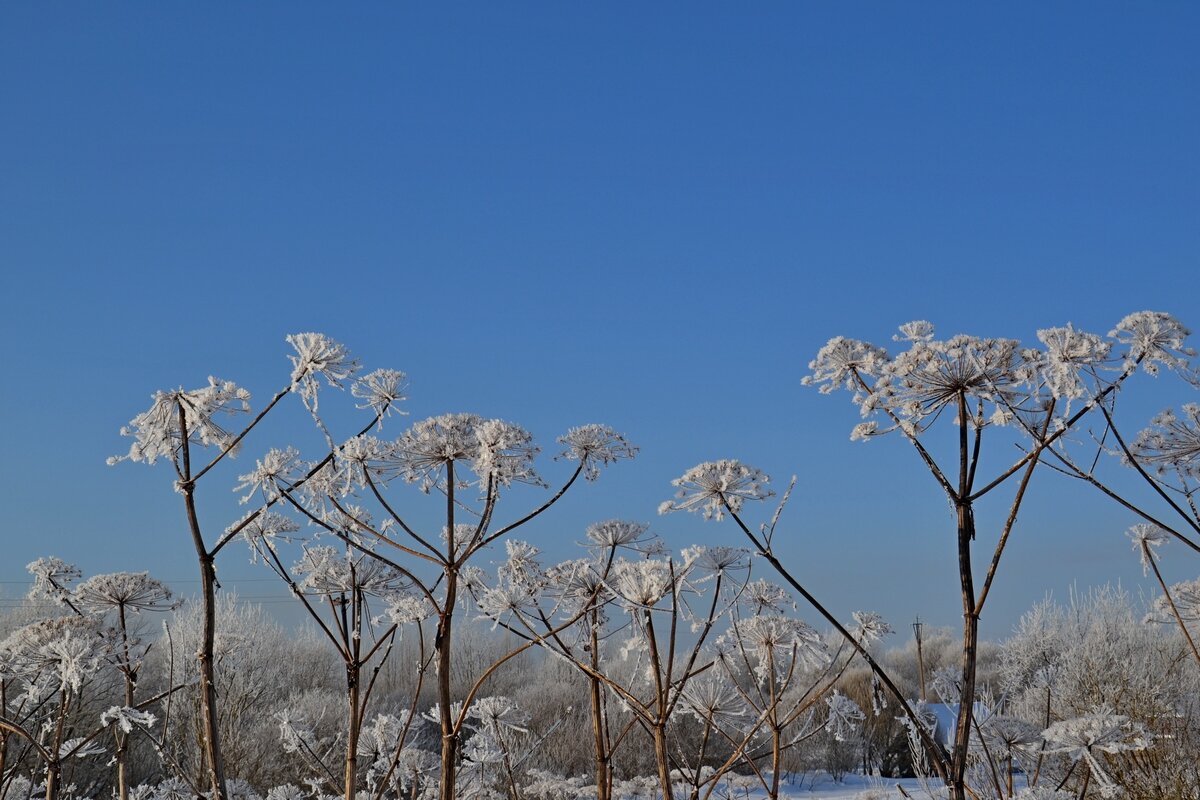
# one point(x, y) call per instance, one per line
point(563, 213)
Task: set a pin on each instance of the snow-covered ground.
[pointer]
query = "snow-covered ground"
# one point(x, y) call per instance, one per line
point(851, 787)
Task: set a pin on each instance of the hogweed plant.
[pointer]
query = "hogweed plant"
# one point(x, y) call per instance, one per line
point(184, 427)
point(466, 459)
point(980, 386)
point(661, 599)
point(984, 388)
point(104, 603)
point(335, 586)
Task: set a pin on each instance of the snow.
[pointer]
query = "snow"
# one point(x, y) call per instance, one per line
point(851, 787)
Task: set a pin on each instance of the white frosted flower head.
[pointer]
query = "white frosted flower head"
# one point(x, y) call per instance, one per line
point(715, 487)
point(1186, 598)
point(575, 584)
point(294, 730)
point(1172, 442)
point(1145, 537)
point(287, 791)
point(842, 362)
point(464, 533)
point(505, 454)
point(173, 789)
point(360, 459)
point(617, 533)
point(131, 591)
point(499, 712)
point(713, 698)
point(522, 567)
point(1100, 731)
point(595, 446)
point(382, 391)
point(52, 578)
point(505, 599)
point(916, 331)
point(127, 718)
point(864, 431)
point(720, 560)
point(65, 650)
point(272, 473)
point(773, 639)
point(404, 608)
point(1011, 734)
point(240, 789)
point(157, 432)
point(844, 716)
point(1156, 339)
point(1069, 354)
point(266, 528)
point(869, 627)
point(329, 571)
point(642, 584)
point(383, 735)
point(424, 452)
point(762, 595)
point(318, 356)
point(932, 374)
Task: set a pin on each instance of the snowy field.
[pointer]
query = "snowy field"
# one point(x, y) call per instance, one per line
point(852, 787)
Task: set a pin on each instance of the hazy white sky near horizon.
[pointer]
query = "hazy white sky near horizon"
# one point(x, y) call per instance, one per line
point(648, 217)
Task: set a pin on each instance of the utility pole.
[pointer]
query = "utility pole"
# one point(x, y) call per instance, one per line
point(917, 625)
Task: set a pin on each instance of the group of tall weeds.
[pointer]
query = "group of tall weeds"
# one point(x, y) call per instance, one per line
point(695, 659)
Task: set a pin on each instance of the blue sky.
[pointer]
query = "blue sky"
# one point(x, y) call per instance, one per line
point(564, 213)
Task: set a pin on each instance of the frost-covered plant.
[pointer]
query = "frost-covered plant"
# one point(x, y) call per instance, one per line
point(716, 499)
point(345, 496)
point(1145, 539)
point(342, 582)
point(1101, 731)
point(54, 660)
point(1065, 662)
point(982, 387)
point(1172, 443)
point(716, 486)
point(844, 716)
point(179, 427)
point(110, 599)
